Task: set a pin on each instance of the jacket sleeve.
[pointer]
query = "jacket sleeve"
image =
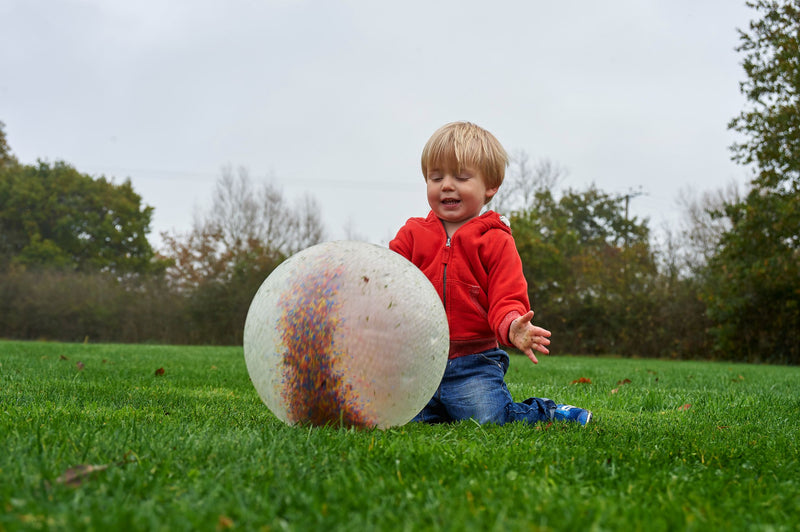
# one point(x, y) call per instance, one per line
point(508, 289)
point(402, 242)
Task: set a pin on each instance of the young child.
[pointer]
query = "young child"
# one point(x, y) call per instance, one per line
point(473, 263)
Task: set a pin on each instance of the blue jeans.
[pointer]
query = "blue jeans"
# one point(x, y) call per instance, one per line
point(474, 387)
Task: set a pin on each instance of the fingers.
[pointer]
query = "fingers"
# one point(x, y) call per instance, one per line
point(528, 337)
point(541, 348)
point(541, 340)
point(539, 343)
point(538, 331)
point(527, 317)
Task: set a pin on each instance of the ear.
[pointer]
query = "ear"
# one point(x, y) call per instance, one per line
point(490, 192)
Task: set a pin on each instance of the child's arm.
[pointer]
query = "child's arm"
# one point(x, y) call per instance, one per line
point(526, 336)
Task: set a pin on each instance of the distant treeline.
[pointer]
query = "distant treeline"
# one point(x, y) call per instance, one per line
point(594, 277)
point(75, 263)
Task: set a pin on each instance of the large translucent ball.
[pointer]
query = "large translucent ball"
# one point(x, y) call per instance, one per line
point(346, 333)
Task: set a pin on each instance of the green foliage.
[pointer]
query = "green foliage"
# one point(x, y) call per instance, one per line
point(217, 307)
point(753, 283)
point(591, 273)
point(771, 123)
point(6, 157)
point(52, 216)
point(75, 262)
point(96, 306)
point(219, 265)
point(682, 446)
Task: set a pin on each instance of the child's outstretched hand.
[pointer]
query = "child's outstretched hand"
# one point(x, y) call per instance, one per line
point(527, 337)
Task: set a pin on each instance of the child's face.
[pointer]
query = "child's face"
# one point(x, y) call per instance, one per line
point(455, 197)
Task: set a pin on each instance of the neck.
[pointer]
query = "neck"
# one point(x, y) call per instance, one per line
point(452, 227)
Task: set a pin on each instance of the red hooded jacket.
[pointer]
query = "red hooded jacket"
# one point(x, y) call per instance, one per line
point(477, 273)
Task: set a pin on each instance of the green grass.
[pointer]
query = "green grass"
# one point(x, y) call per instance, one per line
point(195, 449)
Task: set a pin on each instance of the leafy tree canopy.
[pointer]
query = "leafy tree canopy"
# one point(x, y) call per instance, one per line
point(753, 282)
point(586, 263)
point(52, 216)
point(6, 157)
point(771, 122)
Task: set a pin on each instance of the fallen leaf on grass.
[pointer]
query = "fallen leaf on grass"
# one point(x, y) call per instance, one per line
point(80, 365)
point(740, 378)
point(722, 427)
point(62, 357)
point(224, 522)
point(75, 476)
point(159, 372)
point(582, 380)
point(620, 384)
point(687, 406)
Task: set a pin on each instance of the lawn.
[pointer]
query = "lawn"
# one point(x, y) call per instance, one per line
point(137, 437)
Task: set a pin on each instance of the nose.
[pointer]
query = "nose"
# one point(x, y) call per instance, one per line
point(448, 182)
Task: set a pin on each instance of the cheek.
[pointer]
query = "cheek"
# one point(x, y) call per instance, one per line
point(433, 193)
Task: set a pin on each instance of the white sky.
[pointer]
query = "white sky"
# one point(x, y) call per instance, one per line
point(337, 98)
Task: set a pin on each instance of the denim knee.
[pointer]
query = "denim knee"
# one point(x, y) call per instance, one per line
point(474, 387)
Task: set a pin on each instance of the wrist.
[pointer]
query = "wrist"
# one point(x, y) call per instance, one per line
point(505, 327)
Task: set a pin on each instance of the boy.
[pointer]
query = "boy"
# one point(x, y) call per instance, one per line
point(473, 263)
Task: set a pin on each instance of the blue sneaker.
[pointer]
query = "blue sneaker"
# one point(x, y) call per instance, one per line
point(572, 413)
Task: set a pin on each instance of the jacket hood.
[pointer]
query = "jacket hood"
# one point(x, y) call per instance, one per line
point(479, 225)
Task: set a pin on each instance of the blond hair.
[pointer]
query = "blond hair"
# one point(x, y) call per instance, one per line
point(460, 144)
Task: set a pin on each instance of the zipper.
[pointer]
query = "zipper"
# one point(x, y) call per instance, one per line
point(444, 273)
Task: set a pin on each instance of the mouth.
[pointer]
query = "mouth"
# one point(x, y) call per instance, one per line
point(450, 201)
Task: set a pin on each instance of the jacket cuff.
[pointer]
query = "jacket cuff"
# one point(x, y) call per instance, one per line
point(505, 327)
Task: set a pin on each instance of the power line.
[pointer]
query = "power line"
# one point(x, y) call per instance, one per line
point(131, 173)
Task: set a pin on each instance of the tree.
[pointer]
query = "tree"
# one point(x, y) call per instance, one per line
point(590, 271)
point(52, 216)
point(232, 247)
point(753, 282)
point(771, 124)
point(245, 227)
point(6, 157)
point(524, 180)
point(699, 235)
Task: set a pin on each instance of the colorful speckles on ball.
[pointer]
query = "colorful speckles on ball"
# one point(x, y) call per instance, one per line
point(346, 332)
point(313, 389)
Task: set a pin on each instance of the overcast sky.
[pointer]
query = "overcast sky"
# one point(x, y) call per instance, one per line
point(337, 98)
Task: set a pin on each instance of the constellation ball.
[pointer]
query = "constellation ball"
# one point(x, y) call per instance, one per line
point(346, 333)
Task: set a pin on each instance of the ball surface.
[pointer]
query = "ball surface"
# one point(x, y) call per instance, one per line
point(346, 332)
